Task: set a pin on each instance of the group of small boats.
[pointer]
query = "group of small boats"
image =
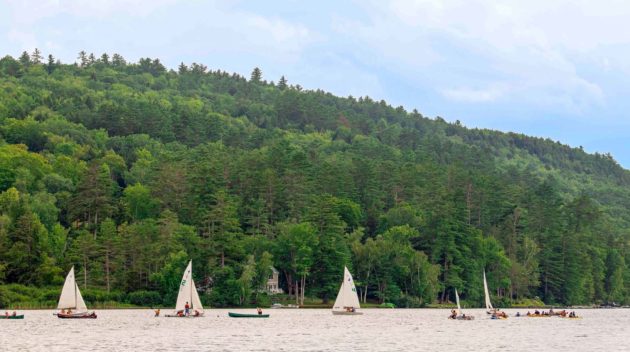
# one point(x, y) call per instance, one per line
point(496, 313)
point(188, 305)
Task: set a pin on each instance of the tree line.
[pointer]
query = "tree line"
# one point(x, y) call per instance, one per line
point(128, 170)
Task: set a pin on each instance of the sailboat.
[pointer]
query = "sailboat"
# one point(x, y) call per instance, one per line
point(71, 302)
point(459, 315)
point(489, 308)
point(347, 301)
point(496, 314)
point(187, 295)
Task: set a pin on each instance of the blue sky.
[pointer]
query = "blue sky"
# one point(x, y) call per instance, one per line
point(556, 69)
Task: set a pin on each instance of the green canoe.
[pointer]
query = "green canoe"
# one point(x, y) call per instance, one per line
point(21, 316)
point(239, 315)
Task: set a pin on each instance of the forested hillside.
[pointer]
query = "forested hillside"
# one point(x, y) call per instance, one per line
point(128, 170)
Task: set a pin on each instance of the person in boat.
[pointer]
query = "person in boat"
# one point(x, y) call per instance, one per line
point(180, 313)
point(453, 314)
point(518, 314)
point(14, 313)
point(187, 309)
point(157, 312)
point(6, 313)
point(536, 312)
point(197, 313)
point(259, 311)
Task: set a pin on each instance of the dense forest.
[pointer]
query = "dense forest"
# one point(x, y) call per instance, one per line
point(128, 170)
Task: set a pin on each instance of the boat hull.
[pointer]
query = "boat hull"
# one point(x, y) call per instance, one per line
point(346, 313)
point(183, 316)
point(21, 316)
point(77, 316)
point(240, 315)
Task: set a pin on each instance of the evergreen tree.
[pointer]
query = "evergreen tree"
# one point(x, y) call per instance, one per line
point(282, 83)
point(50, 67)
point(256, 76)
point(36, 57)
point(25, 59)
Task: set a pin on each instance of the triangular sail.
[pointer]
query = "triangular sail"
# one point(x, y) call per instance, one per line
point(487, 294)
point(185, 289)
point(347, 296)
point(81, 307)
point(459, 308)
point(196, 302)
point(67, 299)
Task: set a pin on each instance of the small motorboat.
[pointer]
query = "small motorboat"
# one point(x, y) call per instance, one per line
point(242, 315)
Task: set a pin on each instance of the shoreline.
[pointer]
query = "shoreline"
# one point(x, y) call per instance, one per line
point(326, 308)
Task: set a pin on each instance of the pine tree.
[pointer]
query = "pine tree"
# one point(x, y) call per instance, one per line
point(256, 76)
point(182, 69)
point(25, 59)
point(105, 59)
point(36, 57)
point(51, 64)
point(282, 83)
point(83, 60)
point(118, 60)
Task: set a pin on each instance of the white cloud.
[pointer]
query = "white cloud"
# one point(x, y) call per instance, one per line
point(473, 95)
point(534, 47)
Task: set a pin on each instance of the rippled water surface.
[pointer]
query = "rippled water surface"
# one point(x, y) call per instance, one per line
point(317, 330)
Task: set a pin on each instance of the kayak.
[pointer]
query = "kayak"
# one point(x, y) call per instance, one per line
point(240, 315)
point(21, 316)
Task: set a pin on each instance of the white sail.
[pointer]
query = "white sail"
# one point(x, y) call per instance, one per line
point(459, 308)
point(68, 292)
point(347, 296)
point(196, 302)
point(185, 289)
point(81, 307)
point(70, 297)
point(487, 294)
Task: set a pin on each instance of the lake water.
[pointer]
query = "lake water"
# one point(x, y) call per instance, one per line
point(317, 330)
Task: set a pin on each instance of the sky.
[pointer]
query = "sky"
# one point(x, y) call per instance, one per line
point(553, 68)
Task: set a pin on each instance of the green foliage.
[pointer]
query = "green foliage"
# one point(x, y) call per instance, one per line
point(128, 170)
